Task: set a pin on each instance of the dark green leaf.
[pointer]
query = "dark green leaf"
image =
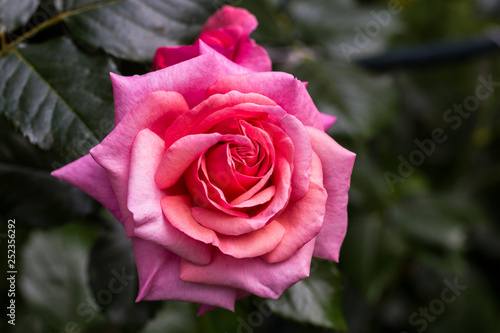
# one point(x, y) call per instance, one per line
point(314, 300)
point(29, 192)
point(175, 317)
point(110, 257)
point(57, 96)
point(14, 13)
point(436, 220)
point(134, 29)
point(372, 255)
point(53, 277)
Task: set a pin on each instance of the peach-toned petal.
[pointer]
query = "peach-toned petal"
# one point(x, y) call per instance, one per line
point(144, 202)
point(252, 275)
point(155, 111)
point(302, 219)
point(337, 167)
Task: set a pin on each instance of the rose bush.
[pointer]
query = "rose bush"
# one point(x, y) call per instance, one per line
point(227, 32)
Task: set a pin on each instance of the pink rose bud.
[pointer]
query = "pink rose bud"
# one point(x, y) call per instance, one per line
point(227, 32)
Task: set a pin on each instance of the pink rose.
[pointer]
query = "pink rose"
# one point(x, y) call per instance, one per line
point(223, 178)
point(227, 32)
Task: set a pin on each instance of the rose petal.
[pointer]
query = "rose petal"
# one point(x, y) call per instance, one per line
point(302, 219)
point(144, 200)
point(113, 153)
point(86, 174)
point(159, 271)
point(185, 151)
point(252, 244)
point(252, 275)
point(204, 308)
point(337, 167)
point(190, 79)
point(228, 15)
point(214, 110)
point(168, 56)
point(282, 88)
point(233, 225)
point(253, 56)
point(327, 121)
point(177, 209)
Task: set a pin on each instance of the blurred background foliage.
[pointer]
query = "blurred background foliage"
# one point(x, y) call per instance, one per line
point(408, 237)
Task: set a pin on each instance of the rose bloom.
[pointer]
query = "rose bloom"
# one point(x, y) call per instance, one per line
point(223, 178)
point(227, 32)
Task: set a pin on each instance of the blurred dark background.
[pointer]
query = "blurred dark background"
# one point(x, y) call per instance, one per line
point(415, 86)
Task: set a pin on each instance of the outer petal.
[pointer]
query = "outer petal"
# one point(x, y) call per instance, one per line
point(86, 174)
point(253, 56)
point(228, 15)
point(302, 219)
point(253, 275)
point(144, 199)
point(159, 271)
point(337, 167)
point(113, 153)
point(170, 55)
point(177, 209)
point(189, 78)
point(328, 120)
point(282, 88)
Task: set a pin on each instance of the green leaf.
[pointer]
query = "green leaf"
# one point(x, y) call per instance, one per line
point(112, 256)
point(57, 96)
point(174, 317)
point(34, 197)
point(134, 29)
point(437, 220)
point(314, 300)
point(15, 13)
point(372, 255)
point(53, 277)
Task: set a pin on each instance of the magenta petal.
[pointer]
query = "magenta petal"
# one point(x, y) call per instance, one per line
point(253, 56)
point(189, 78)
point(168, 56)
point(234, 225)
point(337, 167)
point(282, 88)
point(113, 153)
point(252, 275)
point(228, 15)
point(328, 120)
point(86, 174)
point(144, 201)
point(302, 219)
point(159, 271)
point(185, 151)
